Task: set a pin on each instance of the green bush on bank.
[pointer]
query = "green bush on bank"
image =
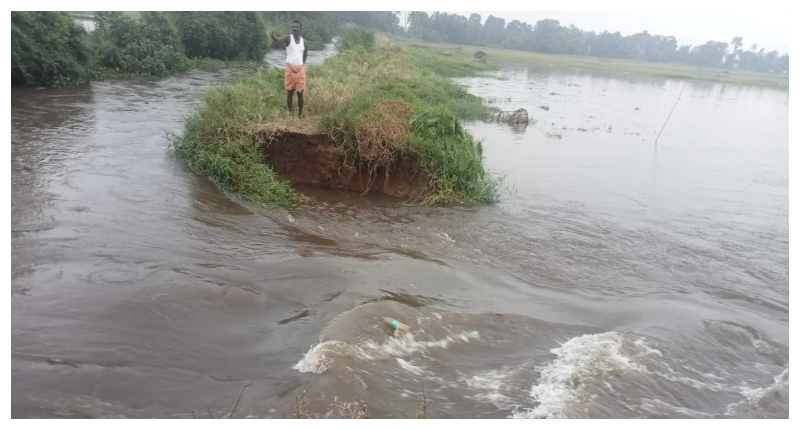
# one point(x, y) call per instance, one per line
point(51, 49)
point(354, 36)
point(147, 47)
point(48, 49)
point(223, 35)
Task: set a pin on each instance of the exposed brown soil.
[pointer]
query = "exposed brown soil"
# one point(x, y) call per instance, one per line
point(312, 159)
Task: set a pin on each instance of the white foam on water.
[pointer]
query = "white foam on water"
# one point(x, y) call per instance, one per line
point(754, 395)
point(579, 361)
point(447, 237)
point(491, 386)
point(407, 366)
point(319, 356)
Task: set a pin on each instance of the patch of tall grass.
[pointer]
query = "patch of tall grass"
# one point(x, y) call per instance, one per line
point(375, 103)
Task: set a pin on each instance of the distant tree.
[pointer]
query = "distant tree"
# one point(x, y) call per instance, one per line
point(475, 33)
point(684, 54)
point(495, 29)
point(550, 37)
point(783, 63)
point(576, 41)
point(517, 36)
point(418, 23)
point(709, 54)
point(736, 48)
point(382, 21)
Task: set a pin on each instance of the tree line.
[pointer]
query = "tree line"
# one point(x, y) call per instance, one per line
point(549, 36)
point(52, 49)
point(319, 28)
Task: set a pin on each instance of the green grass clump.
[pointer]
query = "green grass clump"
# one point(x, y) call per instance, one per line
point(354, 36)
point(453, 157)
point(218, 140)
point(377, 104)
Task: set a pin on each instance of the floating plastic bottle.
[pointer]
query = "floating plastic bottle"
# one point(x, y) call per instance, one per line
point(399, 328)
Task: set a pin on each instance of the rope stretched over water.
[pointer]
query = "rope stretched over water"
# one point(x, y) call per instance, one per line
point(670, 112)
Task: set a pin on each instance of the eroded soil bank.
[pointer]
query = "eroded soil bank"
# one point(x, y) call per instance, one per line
point(313, 159)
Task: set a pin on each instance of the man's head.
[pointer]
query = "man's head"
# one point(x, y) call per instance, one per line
point(297, 27)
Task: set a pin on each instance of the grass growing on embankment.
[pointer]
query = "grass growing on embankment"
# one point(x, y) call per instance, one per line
point(666, 70)
point(375, 103)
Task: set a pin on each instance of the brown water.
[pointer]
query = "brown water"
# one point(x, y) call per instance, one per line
point(617, 278)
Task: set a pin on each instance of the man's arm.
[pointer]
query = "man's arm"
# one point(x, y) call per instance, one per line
point(305, 50)
point(278, 39)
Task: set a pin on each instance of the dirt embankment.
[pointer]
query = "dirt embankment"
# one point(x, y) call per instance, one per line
point(313, 159)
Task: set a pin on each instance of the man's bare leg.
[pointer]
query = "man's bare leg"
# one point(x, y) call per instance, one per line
point(300, 103)
point(289, 95)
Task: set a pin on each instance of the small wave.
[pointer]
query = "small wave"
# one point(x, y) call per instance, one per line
point(754, 395)
point(319, 356)
point(491, 386)
point(580, 361)
point(415, 370)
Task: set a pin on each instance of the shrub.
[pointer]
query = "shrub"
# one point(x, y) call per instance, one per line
point(49, 48)
point(223, 35)
point(165, 30)
point(354, 36)
point(144, 48)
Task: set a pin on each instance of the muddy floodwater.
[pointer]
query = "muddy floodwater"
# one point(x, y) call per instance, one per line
point(616, 277)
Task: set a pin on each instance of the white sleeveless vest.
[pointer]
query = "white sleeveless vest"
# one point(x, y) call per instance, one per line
point(294, 52)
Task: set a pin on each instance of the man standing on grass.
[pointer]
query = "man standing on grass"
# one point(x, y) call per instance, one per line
point(296, 53)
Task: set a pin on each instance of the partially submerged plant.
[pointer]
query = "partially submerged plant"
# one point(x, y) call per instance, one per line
point(452, 157)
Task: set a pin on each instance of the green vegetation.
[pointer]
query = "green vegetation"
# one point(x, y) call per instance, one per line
point(548, 36)
point(146, 47)
point(669, 70)
point(354, 36)
point(49, 48)
point(319, 28)
point(452, 156)
point(223, 35)
point(375, 102)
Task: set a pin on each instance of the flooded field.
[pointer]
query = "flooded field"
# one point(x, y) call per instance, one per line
point(616, 278)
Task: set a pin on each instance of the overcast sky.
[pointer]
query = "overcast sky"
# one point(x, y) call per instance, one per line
point(769, 29)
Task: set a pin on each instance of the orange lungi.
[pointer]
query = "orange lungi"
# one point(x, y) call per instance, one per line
point(295, 78)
